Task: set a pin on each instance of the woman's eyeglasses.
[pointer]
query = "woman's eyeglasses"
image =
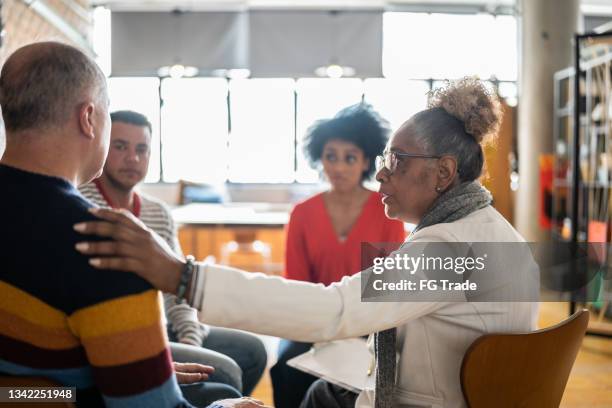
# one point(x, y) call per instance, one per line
point(389, 159)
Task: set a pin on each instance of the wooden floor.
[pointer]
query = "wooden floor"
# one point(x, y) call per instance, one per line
point(590, 383)
point(263, 391)
point(589, 386)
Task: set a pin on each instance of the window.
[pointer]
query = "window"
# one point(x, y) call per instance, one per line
point(261, 142)
point(252, 130)
point(320, 99)
point(396, 100)
point(100, 38)
point(195, 129)
point(421, 45)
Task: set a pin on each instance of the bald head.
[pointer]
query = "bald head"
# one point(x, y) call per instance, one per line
point(42, 84)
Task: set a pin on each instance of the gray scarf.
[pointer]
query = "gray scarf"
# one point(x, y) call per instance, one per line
point(452, 205)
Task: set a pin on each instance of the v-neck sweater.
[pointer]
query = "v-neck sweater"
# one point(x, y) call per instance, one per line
point(314, 251)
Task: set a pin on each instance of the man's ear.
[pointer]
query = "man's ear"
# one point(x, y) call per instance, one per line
point(447, 171)
point(86, 120)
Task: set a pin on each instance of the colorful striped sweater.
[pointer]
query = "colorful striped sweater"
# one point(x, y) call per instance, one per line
point(156, 215)
point(98, 330)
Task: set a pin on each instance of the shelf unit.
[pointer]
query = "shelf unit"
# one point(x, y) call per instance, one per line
point(582, 175)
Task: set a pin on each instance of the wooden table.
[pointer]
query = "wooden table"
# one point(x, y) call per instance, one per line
point(206, 229)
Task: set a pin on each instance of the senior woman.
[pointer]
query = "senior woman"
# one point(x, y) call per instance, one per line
point(428, 177)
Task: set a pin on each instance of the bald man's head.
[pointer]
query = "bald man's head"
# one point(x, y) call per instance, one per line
point(41, 85)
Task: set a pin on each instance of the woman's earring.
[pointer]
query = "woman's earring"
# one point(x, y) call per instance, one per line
point(438, 190)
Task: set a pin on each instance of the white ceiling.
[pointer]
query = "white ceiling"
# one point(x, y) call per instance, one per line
point(589, 6)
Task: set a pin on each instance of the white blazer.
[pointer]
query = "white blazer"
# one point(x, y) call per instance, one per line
point(432, 336)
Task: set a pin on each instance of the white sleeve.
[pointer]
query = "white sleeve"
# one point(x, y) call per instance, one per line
point(297, 310)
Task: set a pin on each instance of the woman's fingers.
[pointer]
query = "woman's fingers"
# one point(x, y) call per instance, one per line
point(120, 216)
point(137, 249)
point(107, 248)
point(106, 229)
point(117, 263)
point(100, 228)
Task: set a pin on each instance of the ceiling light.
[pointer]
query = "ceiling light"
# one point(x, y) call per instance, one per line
point(238, 73)
point(232, 73)
point(177, 71)
point(334, 71)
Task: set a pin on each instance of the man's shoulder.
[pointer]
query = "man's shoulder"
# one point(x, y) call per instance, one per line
point(156, 215)
point(55, 271)
point(154, 210)
point(68, 206)
point(153, 203)
point(92, 194)
point(87, 284)
point(89, 189)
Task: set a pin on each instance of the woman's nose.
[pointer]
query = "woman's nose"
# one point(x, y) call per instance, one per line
point(339, 165)
point(382, 176)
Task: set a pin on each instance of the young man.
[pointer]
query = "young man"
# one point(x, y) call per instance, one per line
point(60, 318)
point(239, 358)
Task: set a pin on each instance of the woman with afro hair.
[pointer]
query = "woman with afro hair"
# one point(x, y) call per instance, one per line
point(325, 232)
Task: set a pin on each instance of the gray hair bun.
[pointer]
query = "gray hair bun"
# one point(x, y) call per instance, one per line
point(469, 101)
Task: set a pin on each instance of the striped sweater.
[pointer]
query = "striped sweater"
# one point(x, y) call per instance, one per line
point(97, 330)
point(154, 214)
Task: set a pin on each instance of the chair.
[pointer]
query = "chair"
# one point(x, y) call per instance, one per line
point(246, 252)
point(190, 192)
point(10, 381)
point(522, 370)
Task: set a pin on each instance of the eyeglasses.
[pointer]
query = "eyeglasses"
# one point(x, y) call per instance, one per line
point(389, 159)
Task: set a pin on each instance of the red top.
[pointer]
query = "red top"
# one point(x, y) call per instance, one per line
point(314, 252)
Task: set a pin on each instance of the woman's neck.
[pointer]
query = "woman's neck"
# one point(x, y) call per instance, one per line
point(347, 197)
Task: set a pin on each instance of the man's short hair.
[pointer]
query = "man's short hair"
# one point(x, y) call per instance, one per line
point(131, 118)
point(42, 83)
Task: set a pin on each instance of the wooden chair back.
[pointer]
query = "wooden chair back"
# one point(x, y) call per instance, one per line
point(522, 370)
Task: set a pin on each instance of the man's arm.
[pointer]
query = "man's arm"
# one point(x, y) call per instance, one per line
point(127, 349)
point(126, 346)
point(184, 321)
